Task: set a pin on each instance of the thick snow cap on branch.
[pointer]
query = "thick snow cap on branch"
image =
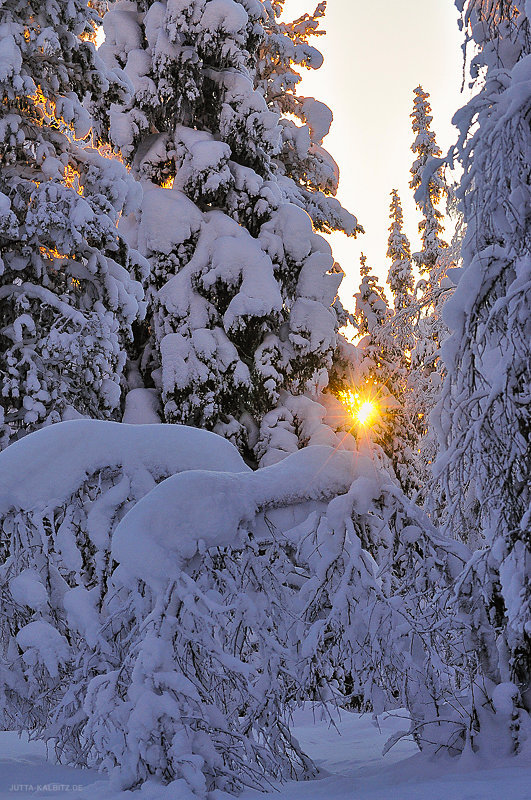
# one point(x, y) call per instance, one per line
point(168, 219)
point(193, 511)
point(79, 448)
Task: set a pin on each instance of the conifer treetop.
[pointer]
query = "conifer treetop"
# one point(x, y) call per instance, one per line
point(312, 172)
point(364, 267)
point(426, 148)
point(371, 305)
point(400, 275)
point(424, 144)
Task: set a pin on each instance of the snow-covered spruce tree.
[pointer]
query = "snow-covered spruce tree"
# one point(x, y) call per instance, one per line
point(484, 416)
point(402, 329)
point(308, 174)
point(425, 149)
point(399, 326)
point(430, 187)
point(69, 284)
point(400, 275)
point(429, 331)
point(241, 301)
point(371, 304)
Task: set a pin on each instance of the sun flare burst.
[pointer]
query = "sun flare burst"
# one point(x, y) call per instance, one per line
point(366, 412)
point(363, 409)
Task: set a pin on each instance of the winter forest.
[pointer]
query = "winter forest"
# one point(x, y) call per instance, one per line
point(230, 501)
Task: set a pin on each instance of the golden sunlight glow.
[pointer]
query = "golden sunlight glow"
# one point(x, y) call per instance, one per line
point(168, 183)
point(92, 35)
point(366, 412)
point(361, 408)
point(349, 399)
point(44, 106)
point(106, 151)
point(47, 114)
point(72, 179)
point(38, 96)
point(52, 254)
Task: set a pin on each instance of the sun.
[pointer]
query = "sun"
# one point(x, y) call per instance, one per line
point(366, 412)
point(363, 410)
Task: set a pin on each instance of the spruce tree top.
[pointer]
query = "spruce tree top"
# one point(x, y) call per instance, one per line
point(371, 304)
point(424, 144)
point(425, 147)
point(400, 275)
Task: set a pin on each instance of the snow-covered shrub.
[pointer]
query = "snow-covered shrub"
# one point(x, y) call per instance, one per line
point(163, 627)
point(205, 675)
point(375, 616)
point(319, 580)
point(62, 492)
point(181, 603)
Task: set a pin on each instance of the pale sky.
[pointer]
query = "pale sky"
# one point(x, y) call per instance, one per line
point(376, 53)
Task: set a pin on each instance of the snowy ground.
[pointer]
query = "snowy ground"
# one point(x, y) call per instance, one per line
point(350, 754)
